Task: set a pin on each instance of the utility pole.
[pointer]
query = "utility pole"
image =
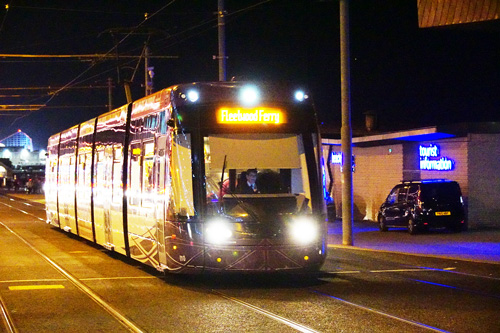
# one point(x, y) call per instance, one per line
point(346, 131)
point(222, 40)
point(110, 94)
point(148, 72)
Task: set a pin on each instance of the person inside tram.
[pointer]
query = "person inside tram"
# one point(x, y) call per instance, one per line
point(247, 184)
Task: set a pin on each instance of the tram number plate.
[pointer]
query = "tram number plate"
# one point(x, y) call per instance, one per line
point(443, 213)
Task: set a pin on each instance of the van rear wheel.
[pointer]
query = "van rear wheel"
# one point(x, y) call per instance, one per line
point(412, 229)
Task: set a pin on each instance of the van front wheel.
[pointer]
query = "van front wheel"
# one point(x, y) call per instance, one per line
point(381, 223)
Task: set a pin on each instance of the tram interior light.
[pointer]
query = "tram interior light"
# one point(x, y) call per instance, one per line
point(249, 95)
point(300, 96)
point(304, 230)
point(218, 231)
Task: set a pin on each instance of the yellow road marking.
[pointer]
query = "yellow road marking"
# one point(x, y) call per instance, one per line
point(39, 286)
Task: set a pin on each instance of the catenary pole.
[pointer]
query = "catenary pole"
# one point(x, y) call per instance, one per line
point(346, 132)
point(110, 94)
point(222, 40)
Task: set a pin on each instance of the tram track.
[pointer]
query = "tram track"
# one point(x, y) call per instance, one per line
point(6, 317)
point(118, 316)
point(268, 312)
point(290, 323)
point(130, 326)
point(366, 308)
point(381, 313)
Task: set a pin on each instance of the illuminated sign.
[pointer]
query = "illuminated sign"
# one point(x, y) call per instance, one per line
point(430, 159)
point(250, 116)
point(337, 158)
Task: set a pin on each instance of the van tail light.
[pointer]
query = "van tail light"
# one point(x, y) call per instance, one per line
point(462, 222)
point(419, 203)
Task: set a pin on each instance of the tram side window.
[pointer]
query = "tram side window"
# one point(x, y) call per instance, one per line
point(135, 175)
point(81, 173)
point(71, 175)
point(99, 186)
point(148, 175)
point(64, 175)
point(117, 173)
point(181, 204)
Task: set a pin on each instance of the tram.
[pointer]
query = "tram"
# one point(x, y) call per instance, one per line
point(157, 180)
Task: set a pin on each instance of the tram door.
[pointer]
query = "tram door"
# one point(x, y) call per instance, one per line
point(160, 171)
point(102, 193)
point(108, 236)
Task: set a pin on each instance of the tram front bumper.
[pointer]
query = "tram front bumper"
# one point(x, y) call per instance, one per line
point(264, 258)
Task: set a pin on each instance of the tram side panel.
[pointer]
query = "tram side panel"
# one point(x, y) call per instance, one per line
point(84, 180)
point(66, 188)
point(108, 187)
point(51, 179)
point(142, 190)
point(183, 241)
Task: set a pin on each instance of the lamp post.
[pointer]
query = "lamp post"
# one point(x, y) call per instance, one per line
point(346, 131)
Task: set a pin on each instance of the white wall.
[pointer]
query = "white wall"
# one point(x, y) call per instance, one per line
point(377, 170)
point(484, 180)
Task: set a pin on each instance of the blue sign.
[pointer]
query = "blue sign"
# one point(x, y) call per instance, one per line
point(430, 159)
point(337, 158)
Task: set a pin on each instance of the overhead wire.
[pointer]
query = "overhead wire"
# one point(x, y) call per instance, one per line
point(75, 81)
point(207, 22)
point(4, 17)
point(72, 82)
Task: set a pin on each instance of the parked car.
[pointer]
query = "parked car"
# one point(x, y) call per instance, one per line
point(420, 205)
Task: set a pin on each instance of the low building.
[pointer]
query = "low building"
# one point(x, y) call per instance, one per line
point(5, 172)
point(21, 157)
point(18, 139)
point(466, 153)
point(23, 163)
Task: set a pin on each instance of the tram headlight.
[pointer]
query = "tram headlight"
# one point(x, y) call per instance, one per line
point(304, 230)
point(249, 95)
point(218, 231)
point(192, 96)
point(300, 96)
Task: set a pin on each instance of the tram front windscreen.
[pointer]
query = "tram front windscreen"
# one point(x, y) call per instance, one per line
point(282, 188)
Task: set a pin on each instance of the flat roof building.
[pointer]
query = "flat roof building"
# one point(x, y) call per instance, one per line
point(467, 153)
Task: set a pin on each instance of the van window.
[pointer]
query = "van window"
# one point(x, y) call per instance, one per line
point(392, 198)
point(413, 193)
point(402, 194)
point(442, 192)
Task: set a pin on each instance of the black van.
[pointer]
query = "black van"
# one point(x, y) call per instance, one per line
point(423, 204)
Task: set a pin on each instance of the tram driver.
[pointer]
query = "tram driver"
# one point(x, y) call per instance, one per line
point(247, 184)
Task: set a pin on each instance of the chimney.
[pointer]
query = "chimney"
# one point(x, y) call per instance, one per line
point(370, 120)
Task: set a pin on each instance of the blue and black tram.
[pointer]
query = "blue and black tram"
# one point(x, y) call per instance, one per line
point(158, 180)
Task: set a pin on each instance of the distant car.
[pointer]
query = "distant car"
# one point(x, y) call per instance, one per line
point(420, 205)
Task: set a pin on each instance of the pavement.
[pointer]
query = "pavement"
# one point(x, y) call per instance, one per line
point(478, 245)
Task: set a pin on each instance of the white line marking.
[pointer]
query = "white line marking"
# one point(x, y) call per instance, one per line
point(392, 270)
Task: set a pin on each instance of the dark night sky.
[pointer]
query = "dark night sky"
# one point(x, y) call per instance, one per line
point(411, 77)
